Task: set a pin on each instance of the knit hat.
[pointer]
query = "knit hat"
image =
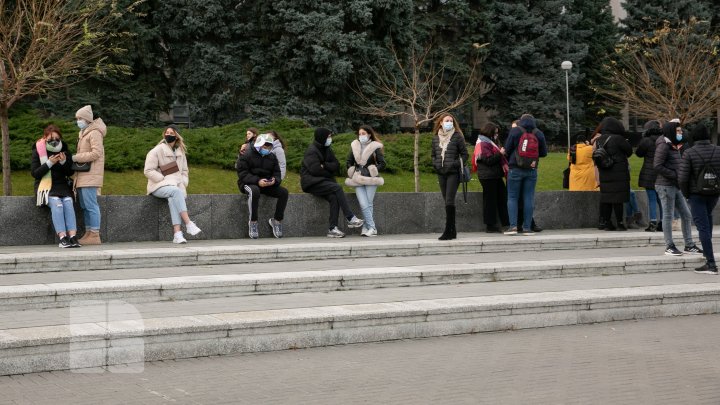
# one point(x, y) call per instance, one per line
point(700, 133)
point(174, 128)
point(321, 134)
point(85, 113)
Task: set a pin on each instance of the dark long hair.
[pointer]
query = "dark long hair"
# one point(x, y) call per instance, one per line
point(278, 137)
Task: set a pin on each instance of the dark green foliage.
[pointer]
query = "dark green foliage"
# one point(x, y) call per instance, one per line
point(647, 16)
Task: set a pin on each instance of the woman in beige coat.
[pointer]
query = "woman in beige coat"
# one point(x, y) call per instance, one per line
point(167, 172)
point(90, 152)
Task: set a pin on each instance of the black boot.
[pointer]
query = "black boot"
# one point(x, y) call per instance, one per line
point(652, 227)
point(449, 232)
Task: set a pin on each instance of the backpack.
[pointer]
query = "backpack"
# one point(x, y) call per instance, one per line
point(528, 150)
point(601, 157)
point(707, 181)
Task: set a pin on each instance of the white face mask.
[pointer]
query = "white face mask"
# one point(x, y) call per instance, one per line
point(82, 124)
point(328, 142)
point(364, 139)
point(448, 125)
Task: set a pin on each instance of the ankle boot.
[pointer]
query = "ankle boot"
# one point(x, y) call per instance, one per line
point(90, 238)
point(451, 215)
point(652, 226)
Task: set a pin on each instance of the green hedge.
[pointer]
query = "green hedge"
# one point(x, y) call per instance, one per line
point(125, 148)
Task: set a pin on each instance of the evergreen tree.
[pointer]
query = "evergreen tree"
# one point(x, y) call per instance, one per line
point(648, 16)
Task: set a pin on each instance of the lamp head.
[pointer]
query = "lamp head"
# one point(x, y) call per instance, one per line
point(566, 65)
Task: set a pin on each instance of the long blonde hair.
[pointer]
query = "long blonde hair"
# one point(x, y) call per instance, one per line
point(179, 142)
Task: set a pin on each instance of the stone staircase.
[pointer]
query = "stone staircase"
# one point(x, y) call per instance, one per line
point(124, 304)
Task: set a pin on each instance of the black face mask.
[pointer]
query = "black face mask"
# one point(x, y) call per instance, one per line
point(170, 138)
point(54, 143)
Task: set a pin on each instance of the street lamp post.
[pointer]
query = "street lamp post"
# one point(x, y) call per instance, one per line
point(566, 66)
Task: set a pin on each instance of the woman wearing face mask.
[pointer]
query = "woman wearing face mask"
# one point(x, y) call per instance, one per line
point(51, 165)
point(90, 151)
point(492, 168)
point(167, 172)
point(317, 177)
point(364, 163)
point(448, 152)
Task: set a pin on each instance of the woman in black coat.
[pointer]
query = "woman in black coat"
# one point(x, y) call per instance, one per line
point(51, 166)
point(646, 150)
point(492, 167)
point(317, 177)
point(448, 153)
point(614, 180)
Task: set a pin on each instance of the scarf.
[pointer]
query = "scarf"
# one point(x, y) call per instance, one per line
point(485, 147)
point(43, 191)
point(444, 138)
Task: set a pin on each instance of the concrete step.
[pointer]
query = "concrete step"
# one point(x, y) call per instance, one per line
point(49, 295)
point(154, 254)
point(119, 337)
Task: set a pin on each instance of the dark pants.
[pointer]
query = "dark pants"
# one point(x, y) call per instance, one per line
point(494, 202)
point(702, 207)
point(254, 191)
point(334, 194)
point(448, 187)
point(606, 210)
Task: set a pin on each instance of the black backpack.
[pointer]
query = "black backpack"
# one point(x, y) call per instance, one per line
point(707, 181)
point(601, 157)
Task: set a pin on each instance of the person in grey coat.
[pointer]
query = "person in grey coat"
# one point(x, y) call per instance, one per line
point(667, 163)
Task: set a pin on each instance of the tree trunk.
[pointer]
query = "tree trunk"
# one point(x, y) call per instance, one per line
point(416, 158)
point(7, 184)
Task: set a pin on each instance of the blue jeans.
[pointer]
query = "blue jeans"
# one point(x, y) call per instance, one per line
point(653, 204)
point(63, 214)
point(671, 199)
point(525, 180)
point(175, 199)
point(631, 207)
point(702, 207)
point(365, 196)
point(87, 197)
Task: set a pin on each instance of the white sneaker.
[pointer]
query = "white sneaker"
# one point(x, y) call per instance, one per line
point(335, 233)
point(364, 231)
point(371, 232)
point(178, 238)
point(355, 222)
point(192, 229)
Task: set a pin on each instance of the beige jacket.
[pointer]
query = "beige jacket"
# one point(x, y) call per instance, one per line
point(162, 155)
point(90, 149)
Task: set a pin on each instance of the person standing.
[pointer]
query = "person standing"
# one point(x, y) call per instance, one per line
point(364, 163)
point(448, 154)
point(648, 175)
point(317, 177)
point(699, 181)
point(615, 179)
point(90, 156)
point(667, 163)
point(259, 173)
point(168, 176)
point(582, 167)
point(524, 147)
point(492, 168)
point(51, 165)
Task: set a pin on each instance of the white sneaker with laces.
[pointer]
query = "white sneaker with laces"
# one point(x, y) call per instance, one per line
point(178, 238)
point(355, 222)
point(371, 232)
point(192, 229)
point(335, 233)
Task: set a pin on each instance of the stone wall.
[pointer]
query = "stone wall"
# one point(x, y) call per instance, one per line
point(225, 216)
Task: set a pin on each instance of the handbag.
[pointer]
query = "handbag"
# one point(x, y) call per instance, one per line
point(169, 168)
point(81, 167)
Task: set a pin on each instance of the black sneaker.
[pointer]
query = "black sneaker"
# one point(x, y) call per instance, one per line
point(65, 242)
point(706, 269)
point(693, 250)
point(511, 230)
point(492, 229)
point(536, 228)
point(672, 251)
point(74, 241)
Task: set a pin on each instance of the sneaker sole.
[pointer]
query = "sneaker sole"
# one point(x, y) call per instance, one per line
point(672, 254)
point(355, 226)
point(706, 272)
point(335, 236)
point(510, 233)
point(692, 253)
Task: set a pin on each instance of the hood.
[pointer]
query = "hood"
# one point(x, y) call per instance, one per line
point(652, 128)
point(97, 125)
point(669, 131)
point(277, 144)
point(528, 123)
point(321, 135)
point(610, 125)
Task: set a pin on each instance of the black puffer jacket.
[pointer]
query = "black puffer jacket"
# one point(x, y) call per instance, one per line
point(59, 173)
point(615, 180)
point(319, 163)
point(646, 150)
point(703, 152)
point(667, 157)
point(252, 167)
point(455, 151)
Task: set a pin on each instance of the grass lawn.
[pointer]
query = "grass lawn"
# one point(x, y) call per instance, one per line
point(211, 180)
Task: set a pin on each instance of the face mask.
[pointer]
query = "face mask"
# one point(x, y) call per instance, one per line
point(81, 124)
point(54, 143)
point(264, 152)
point(678, 137)
point(364, 138)
point(328, 142)
point(170, 138)
point(447, 126)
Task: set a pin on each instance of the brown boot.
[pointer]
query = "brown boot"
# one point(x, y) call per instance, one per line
point(90, 238)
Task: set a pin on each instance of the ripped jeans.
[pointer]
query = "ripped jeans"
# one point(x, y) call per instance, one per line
point(63, 214)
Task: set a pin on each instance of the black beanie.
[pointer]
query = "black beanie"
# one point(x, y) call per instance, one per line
point(700, 133)
point(321, 134)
